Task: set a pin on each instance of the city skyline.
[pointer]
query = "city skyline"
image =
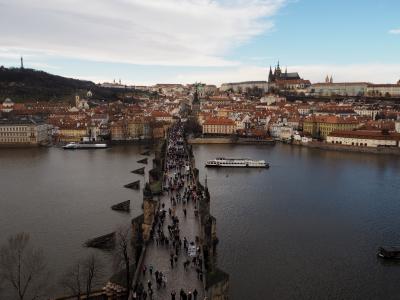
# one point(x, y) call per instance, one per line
point(210, 41)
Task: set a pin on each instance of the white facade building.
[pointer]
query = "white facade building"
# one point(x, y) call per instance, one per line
point(24, 131)
point(364, 138)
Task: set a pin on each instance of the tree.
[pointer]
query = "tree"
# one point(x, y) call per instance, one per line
point(192, 126)
point(83, 276)
point(23, 268)
point(124, 254)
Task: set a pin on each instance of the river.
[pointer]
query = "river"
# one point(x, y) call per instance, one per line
point(62, 198)
point(307, 228)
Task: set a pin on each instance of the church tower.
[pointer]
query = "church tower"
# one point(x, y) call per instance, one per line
point(22, 62)
point(327, 79)
point(270, 76)
point(278, 71)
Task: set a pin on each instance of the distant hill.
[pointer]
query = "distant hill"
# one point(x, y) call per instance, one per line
point(22, 85)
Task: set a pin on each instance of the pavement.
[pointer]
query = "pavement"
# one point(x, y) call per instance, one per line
point(159, 255)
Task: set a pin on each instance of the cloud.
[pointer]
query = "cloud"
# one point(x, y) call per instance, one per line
point(376, 73)
point(394, 31)
point(146, 32)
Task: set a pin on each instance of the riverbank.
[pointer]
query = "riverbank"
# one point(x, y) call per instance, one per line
point(346, 148)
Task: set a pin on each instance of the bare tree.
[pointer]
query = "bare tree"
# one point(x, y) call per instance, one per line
point(71, 280)
point(23, 267)
point(83, 276)
point(124, 253)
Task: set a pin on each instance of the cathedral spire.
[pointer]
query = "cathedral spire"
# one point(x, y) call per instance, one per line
point(270, 75)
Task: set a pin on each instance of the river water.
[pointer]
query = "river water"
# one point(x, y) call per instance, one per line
point(307, 228)
point(62, 198)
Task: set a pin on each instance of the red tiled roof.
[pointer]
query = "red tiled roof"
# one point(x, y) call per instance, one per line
point(366, 134)
point(219, 121)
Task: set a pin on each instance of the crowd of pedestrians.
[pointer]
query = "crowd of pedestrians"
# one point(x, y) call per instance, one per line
point(181, 193)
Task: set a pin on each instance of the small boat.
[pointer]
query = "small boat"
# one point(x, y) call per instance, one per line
point(389, 252)
point(75, 146)
point(236, 163)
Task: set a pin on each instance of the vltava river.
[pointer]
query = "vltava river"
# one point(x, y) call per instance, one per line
point(62, 198)
point(307, 228)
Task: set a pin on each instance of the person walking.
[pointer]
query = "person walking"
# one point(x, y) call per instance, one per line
point(173, 295)
point(195, 294)
point(151, 270)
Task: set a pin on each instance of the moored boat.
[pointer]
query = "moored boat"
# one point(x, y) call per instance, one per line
point(236, 163)
point(74, 146)
point(389, 252)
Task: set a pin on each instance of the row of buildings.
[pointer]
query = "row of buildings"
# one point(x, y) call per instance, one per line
point(41, 123)
point(334, 122)
point(284, 81)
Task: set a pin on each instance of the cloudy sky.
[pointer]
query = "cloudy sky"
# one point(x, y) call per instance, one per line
point(213, 41)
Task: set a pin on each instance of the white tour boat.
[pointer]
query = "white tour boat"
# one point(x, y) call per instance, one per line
point(236, 163)
point(74, 146)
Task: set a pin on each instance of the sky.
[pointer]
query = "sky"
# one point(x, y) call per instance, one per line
point(143, 42)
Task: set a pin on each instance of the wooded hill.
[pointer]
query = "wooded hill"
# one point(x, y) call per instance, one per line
point(26, 85)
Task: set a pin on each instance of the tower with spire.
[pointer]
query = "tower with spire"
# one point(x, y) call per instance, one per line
point(22, 62)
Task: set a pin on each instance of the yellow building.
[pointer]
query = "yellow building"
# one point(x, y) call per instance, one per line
point(219, 126)
point(72, 132)
point(119, 130)
point(136, 128)
point(322, 126)
point(24, 131)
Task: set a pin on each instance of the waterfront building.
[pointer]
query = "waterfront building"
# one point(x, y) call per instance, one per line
point(24, 131)
point(322, 126)
point(118, 130)
point(365, 138)
point(135, 128)
point(71, 132)
point(219, 126)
